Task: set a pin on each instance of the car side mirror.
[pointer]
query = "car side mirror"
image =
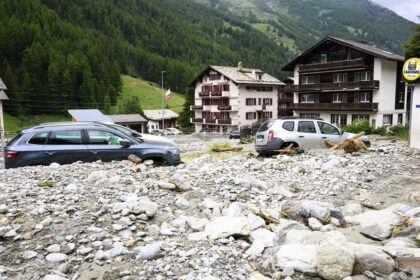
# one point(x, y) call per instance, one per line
point(125, 143)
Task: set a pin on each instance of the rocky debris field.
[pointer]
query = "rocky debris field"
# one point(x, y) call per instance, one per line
point(318, 215)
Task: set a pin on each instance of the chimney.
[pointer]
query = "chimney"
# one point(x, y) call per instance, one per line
point(240, 66)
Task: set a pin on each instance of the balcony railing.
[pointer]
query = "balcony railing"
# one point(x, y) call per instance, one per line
point(335, 106)
point(333, 86)
point(285, 100)
point(337, 65)
point(224, 107)
point(224, 121)
point(215, 93)
point(196, 120)
point(196, 107)
point(203, 94)
point(210, 121)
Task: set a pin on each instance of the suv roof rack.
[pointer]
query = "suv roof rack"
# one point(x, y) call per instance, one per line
point(300, 118)
point(48, 124)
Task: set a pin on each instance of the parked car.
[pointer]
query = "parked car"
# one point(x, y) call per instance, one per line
point(306, 133)
point(156, 132)
point(87, 142)
point(140, 136)
point(171, 131)
point(235, 134)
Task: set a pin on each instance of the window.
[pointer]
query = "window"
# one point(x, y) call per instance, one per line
point(339, 98)
point(338, 53)
point(339, 119)
point(401, 97)
point(38, 139)
point(326, 128)
point(387, 120)
point(309, 116)
point(66, 137)
point(362, 97)
point(251, 116)
point(359, 117)
point(310, 79)
point(306, 127)
point(102, 137)
point(355, 54)
point(214, 77)
point(251, 101)
point(289, 126)
point(268, 101)
point(362, 76)
point(308, 98)
point(340, 77)
point(400, 119)
point(225, 87)
point(268, 115)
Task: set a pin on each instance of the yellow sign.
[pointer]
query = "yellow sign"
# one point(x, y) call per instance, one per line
point(411, 69)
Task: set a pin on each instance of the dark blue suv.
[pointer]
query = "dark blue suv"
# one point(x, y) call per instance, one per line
point(66, 143)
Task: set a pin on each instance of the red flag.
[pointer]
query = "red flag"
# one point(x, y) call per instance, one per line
point(168, 95)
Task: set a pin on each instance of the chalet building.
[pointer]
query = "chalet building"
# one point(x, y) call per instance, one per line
point(342, 81)
point(231, 97)
point(160, 119)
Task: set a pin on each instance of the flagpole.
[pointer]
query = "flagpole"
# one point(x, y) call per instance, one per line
point(163, 120)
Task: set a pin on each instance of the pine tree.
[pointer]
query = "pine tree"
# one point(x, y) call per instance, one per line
point(412, 47)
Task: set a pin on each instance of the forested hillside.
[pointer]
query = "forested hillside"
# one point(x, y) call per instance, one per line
point(58, 54)
point(297, 24)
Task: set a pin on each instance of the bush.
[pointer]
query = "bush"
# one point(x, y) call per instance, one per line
point(400, 131)
point(380, 130)
point(359, 126)
point(219, 145)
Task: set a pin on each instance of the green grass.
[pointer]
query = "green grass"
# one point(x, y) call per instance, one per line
point(261, 26)
point(150, 96)
point(13, 124)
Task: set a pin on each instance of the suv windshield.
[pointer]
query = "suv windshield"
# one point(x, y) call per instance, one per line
point(265, 126)
point(126, 131)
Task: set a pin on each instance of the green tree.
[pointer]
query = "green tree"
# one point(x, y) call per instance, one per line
point(130, 105)
point(186, 114)
point(412, 47)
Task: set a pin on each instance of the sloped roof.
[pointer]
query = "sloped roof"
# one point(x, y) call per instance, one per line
point(2, 85)
point(244, 76)
point(89, 115)
point(3, 95)
point(362, 47)
point(127, 118)
point(156, 115)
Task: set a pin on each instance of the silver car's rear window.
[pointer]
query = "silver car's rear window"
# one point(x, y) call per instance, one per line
point(265, 126)
point(289, 126)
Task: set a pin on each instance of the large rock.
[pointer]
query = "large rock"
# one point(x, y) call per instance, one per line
point(182, 185)
point(312, 237)
point(335, 260)
point(222, 227)
point(372, 258)
point(137, 205)
point(301, 258)
point(378, 224)
point(263, 235)
point(284, 227)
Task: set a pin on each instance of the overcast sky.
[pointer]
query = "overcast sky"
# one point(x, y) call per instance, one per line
point(409, 9)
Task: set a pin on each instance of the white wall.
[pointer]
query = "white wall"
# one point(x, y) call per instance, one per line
point(152, 125)
point(415, 118)
point(1, 118)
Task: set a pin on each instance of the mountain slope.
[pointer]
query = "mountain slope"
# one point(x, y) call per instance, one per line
point(297, 24)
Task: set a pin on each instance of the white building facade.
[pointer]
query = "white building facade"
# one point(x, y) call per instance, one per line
point(232, 97)
point(342, 81)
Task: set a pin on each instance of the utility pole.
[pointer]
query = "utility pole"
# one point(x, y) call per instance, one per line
point(163, 119)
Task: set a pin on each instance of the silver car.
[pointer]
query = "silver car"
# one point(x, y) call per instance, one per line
point(306, 133)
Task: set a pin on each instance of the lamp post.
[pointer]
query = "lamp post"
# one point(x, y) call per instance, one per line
point(163, 119)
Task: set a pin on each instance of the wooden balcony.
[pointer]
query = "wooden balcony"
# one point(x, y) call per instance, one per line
point(331, 66)
point(285, 100)
point(196, 107)
point(196, 120)
point(333, 86)
point(215, 93)
point(210, 121)
point(203, 94)
point(335, 106)
point(224, 121)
